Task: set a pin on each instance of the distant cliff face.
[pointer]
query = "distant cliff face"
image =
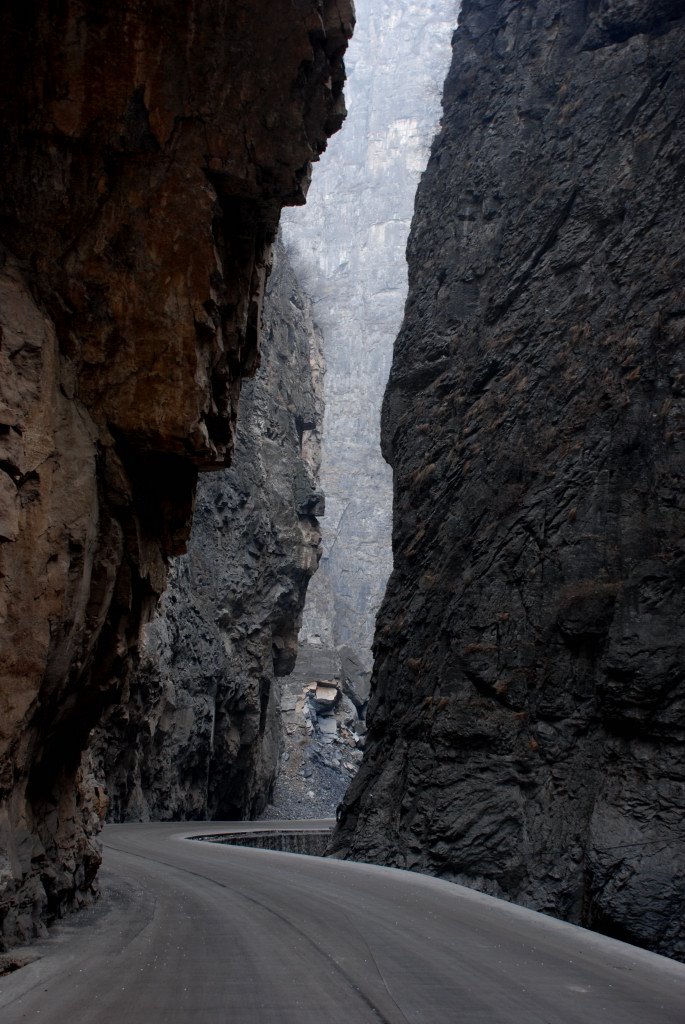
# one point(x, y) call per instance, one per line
point(347, 247)
point(527, 718)
point(198, 733)
point(146, 154)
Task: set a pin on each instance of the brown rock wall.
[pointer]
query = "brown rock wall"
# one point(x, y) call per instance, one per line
point(145, 153)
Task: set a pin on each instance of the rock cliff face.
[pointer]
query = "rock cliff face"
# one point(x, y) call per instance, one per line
point(198, 732)
point(146, 153)
point(528, 707)
point(347, 247)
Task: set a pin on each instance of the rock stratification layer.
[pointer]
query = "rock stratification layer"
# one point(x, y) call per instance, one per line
point(526, 726)
point(146, 153)
point(198, 734)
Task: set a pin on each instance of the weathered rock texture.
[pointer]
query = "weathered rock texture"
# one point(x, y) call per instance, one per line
point(348, 246)
point(528, 712)
point(198, 732)
point(322, 703)
point(146, 152)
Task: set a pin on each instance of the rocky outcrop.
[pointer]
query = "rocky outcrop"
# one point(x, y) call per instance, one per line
point(198, 732)
point(323, 703)
point(526, 721)
point(146, 154)
point(347, 247)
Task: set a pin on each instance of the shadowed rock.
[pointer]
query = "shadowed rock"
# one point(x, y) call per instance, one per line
point(528, 699)
point(199, 733)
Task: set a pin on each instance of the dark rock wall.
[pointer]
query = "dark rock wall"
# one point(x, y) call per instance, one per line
point(145, 153)
point(528, 709)
point(198, 733)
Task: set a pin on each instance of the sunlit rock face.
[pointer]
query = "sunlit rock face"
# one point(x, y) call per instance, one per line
point(347, 247)
point(146, 152)
point(528, 704)
point(199, 732)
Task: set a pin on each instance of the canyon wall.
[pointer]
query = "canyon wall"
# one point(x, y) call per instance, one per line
point(526, 726)
point(347, 247)
point(198, 731)
point(146, 152)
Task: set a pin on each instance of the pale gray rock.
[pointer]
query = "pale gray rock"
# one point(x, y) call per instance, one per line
point(322, 733)
point(361, 197)
point(347, 247)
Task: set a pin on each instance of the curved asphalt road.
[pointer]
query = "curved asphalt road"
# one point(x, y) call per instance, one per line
point(208, 934)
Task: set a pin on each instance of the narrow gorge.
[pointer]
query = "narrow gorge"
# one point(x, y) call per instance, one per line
point(347, 246)
point(217, 721)
point(233, 586)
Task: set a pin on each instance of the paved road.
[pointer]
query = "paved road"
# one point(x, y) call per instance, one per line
point(196, 932)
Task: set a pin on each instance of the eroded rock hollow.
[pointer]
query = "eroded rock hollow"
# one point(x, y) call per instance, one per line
point(528, 703)
point(146, 152)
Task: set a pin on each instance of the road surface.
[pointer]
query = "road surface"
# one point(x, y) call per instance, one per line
point(209, 934)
